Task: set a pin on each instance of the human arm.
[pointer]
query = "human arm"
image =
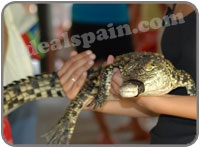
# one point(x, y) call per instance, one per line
point(176, 105)
point(134, 15)
point(125, 107)
point(146, 106)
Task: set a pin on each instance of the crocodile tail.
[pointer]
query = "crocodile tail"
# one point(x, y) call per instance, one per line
point(62, 132)
point(30, 89)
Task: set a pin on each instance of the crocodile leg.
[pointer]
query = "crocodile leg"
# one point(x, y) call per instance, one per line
point(185, 80)
point(104, 86)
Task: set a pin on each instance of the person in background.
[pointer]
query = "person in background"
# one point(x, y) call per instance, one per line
point(178, 44)
point(6, 125)
point(147, 40)
point(18, 65)
point(177, 111)
point(91, 18)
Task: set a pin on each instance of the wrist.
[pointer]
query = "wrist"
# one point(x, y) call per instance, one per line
point(141, 100)
point(152, 103)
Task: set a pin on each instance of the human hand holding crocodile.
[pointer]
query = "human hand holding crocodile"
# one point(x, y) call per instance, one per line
point(74, 72)
point(117, 80)
point(155, 104)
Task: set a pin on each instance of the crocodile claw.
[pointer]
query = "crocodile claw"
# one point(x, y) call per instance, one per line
point(97, 103)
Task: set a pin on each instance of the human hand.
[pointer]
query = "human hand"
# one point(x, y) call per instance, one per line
point(74, 72)
point(117, 80)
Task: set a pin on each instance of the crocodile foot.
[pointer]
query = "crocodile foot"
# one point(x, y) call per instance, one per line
point(98, 102)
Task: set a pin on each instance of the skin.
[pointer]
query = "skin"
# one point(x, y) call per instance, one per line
point(75, 67)
point(185, 9)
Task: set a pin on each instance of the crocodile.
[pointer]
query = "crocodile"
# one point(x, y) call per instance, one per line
point(143, 74)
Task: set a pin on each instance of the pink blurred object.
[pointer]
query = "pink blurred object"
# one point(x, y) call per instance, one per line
point(103, 140)
point(146, 41)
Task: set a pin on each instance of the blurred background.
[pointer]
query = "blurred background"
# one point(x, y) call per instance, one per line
point(33, 24)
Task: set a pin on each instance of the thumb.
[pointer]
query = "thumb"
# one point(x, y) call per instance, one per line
point(110, 59)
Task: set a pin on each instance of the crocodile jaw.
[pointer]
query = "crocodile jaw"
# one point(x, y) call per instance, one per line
point(129, 90)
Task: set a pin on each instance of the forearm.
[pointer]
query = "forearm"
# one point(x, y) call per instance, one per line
point(134, 15)
point(126, 107)
point(181, 106)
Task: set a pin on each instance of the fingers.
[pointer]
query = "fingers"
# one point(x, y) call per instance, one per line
point(77, 86)
point(73, 74)
point(74, 57)
point(110, 59)
point(75, 67)
point(117, 78)
point(116, 83)
point(115, 89)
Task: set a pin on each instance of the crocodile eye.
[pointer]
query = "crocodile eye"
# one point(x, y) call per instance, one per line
point(149, 67)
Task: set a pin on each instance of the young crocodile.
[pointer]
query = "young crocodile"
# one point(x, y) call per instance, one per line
point(143, 74)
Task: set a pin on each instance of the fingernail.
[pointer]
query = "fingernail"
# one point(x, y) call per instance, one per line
point(92, 56)
point(88, 52)
point(115, 69)
point(91, 62)
point(85, 73)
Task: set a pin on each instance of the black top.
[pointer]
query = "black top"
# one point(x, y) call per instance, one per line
point(179, 46)
point(115, 46)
